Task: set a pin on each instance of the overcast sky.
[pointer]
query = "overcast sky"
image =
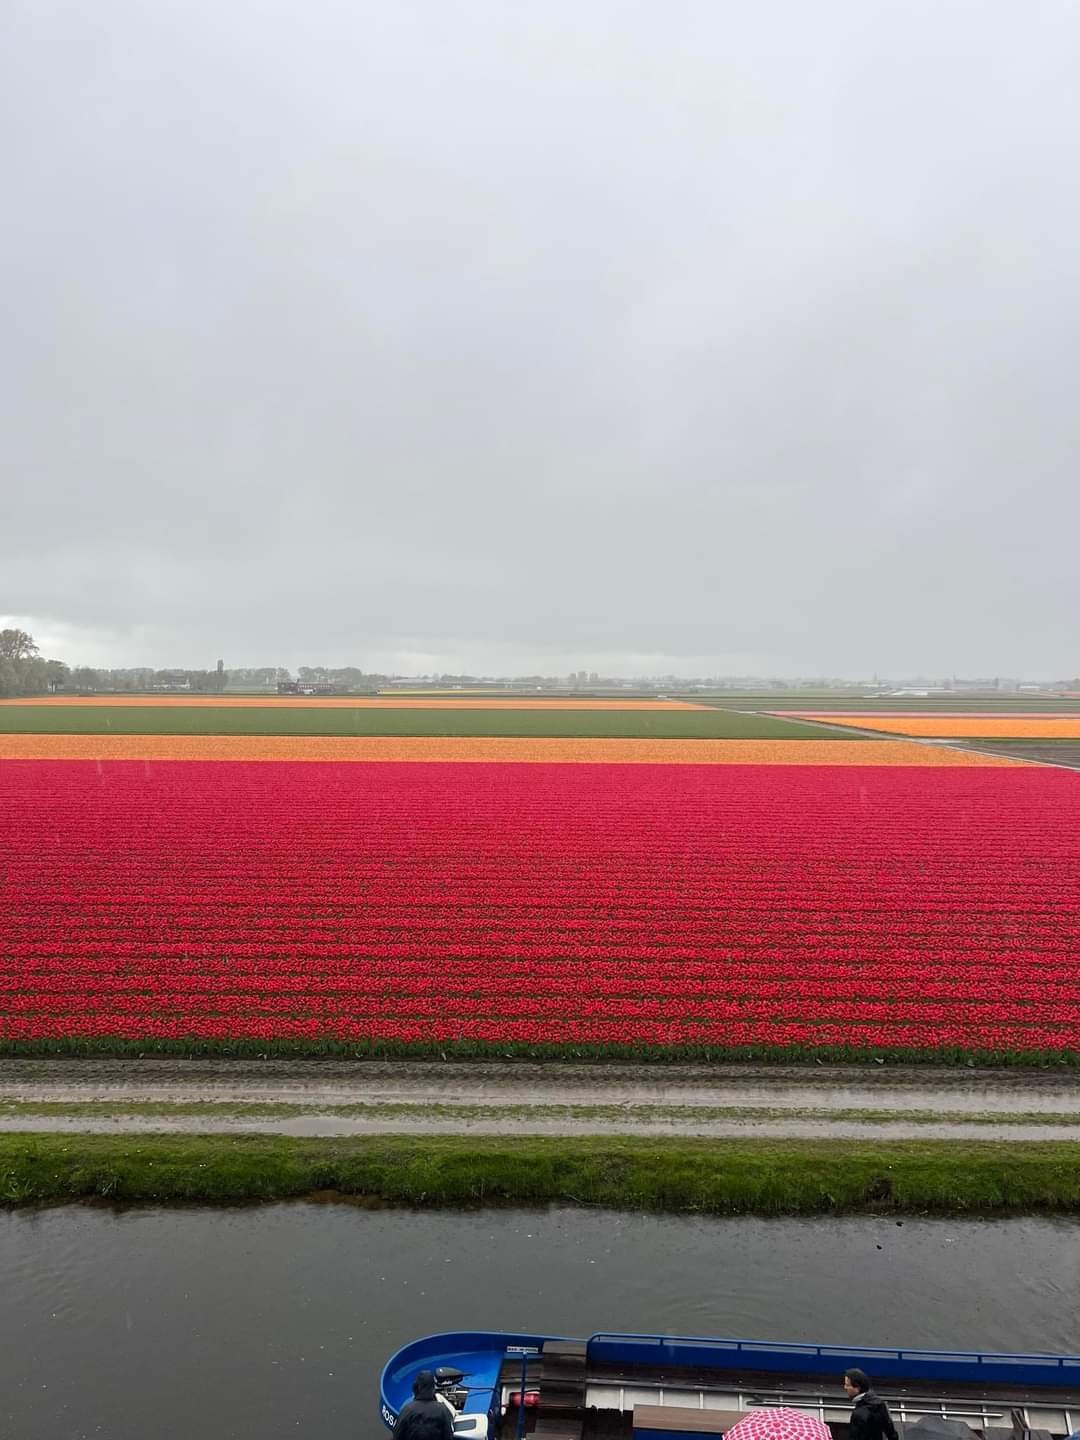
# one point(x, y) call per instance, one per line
point(737, 336)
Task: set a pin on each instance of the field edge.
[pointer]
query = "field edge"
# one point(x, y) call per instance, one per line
point(750, 1177)
point(481, 1050)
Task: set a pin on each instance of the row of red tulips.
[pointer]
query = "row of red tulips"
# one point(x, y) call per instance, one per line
point(569, 1032)
point(541, 905)
point(39, 986)
point(334, 1003)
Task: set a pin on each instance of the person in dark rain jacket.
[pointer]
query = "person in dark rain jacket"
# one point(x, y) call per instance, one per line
point(424, 1417)
point(870, 1418)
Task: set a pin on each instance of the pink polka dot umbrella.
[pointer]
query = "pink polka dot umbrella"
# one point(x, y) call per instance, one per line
point(779, 1423)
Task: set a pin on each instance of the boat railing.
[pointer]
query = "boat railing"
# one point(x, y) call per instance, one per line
point(959, 1365)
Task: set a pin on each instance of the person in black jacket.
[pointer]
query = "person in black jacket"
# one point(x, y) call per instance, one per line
point(424, 1417)
point(870, 1418)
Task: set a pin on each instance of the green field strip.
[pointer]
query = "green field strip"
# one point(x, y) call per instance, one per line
point(341, 720)
point(762, 1177)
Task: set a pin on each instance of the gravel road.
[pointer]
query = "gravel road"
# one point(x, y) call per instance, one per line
point(432, 1097)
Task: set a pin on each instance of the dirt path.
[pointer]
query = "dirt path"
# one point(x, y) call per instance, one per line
point(390, 1097)
point(331, 1125)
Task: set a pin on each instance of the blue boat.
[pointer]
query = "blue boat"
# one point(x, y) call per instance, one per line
point(668, 1387)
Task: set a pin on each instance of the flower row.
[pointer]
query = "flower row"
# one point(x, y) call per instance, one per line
point(607, 905)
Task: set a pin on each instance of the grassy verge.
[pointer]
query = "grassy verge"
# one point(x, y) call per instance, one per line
point(723, 1177)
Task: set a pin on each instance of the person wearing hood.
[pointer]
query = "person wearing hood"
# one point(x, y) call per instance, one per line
point(424, 1417)
point(870, 1418)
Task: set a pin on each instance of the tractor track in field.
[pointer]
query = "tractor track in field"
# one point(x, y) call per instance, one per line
point(342, 1098)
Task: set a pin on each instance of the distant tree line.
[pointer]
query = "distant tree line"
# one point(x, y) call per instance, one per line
point(23, 670)
point(141, 679)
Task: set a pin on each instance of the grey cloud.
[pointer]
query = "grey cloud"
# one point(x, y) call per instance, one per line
point(729, 333)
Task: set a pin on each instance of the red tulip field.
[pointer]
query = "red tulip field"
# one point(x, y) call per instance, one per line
point(574, 908)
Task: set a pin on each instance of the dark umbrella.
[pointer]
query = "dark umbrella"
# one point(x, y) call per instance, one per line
point(934, 1427)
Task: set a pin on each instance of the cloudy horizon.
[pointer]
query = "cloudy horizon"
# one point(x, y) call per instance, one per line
point(469, 338)
point(102, 650)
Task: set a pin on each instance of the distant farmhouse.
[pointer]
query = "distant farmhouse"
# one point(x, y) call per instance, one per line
point(314, 687)
point(172, 680)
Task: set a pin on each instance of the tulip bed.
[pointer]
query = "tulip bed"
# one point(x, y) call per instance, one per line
point(973, 727)
point(621, 909)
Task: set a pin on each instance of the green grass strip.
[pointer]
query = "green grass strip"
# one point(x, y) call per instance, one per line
point(721, 1177)
point(342, 720)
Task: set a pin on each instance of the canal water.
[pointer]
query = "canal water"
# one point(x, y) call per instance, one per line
point(274, 1322)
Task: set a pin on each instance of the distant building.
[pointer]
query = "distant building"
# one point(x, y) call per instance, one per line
point(310, 687)
point(172, 680)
